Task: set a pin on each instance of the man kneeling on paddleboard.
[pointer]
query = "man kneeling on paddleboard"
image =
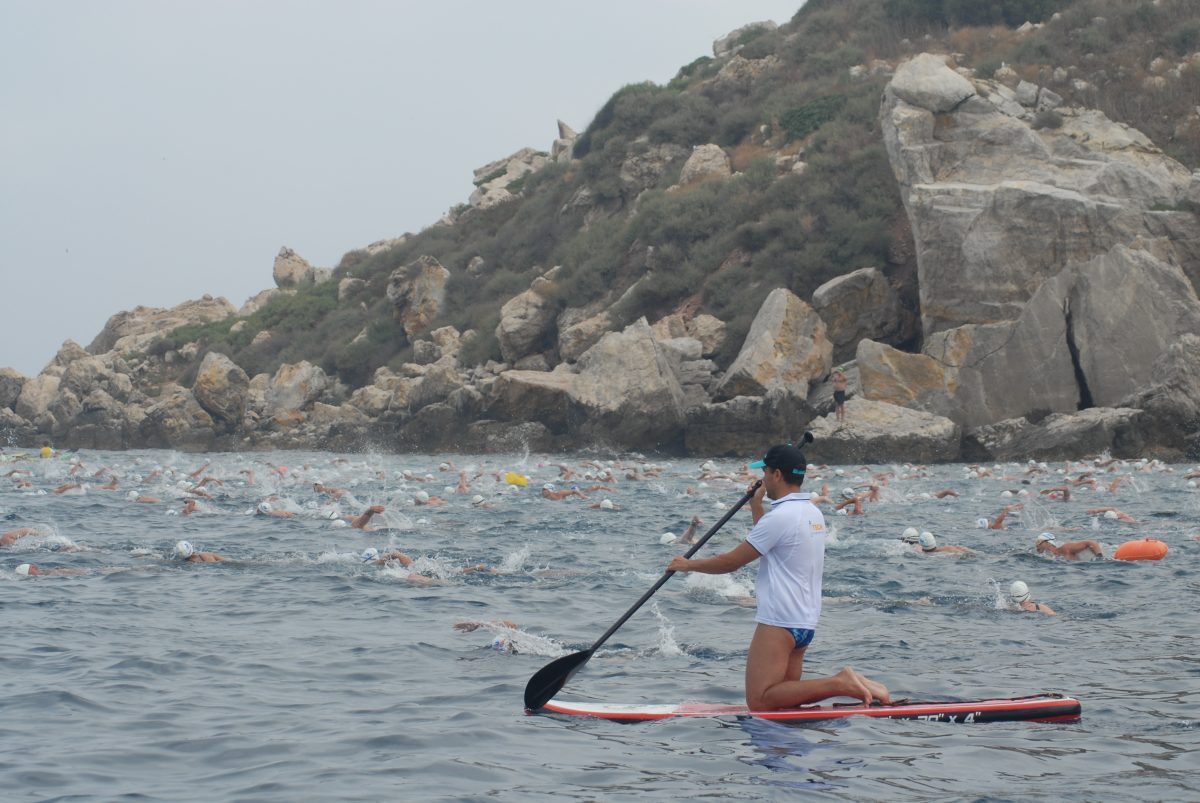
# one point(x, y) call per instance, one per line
point(790, 539)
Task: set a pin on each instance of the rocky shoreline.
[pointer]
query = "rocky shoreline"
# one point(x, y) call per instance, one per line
point(1057, 274)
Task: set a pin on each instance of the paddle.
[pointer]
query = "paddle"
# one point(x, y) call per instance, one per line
point(548, 680)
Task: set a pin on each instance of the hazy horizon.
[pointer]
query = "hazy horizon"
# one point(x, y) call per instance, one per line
point(158, 152)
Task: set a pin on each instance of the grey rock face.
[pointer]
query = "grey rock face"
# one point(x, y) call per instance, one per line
point(527, 321)
point(926, 82)
point(295, 387)
point(11, 383)
point(1061, 436)
point(221, 389)
point(858, 305)
point(786, 348)
point(417, 291)
point(877, 431)
point(998, 208)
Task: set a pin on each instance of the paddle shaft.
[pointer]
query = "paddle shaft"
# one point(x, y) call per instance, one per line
point(667, 575)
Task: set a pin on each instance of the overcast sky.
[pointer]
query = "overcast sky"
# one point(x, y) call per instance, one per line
point(154, 151)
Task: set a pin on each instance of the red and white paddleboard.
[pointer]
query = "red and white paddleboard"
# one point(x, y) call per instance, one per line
point(1034, 708)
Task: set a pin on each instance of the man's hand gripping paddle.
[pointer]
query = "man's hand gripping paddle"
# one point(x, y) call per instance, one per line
point(548, 680)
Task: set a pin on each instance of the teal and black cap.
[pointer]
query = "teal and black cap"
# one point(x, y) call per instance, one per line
point(785, 457)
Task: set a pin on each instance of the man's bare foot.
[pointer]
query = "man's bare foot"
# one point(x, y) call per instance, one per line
point(877, 689)
point(851, 685)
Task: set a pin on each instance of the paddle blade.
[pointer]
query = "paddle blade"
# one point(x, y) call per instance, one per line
point(547, 681)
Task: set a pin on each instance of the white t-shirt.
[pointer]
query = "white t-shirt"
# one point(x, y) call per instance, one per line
point(791, 539)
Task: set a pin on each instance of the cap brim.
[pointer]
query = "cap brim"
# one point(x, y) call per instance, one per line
point(758, 464)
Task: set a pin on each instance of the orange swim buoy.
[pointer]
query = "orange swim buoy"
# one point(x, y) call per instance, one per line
point(1145, 549)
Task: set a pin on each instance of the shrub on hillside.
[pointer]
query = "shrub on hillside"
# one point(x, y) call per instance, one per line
point(801, 121)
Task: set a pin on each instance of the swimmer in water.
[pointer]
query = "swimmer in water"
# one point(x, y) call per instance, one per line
point(689, 535)
point(188, 554)
point(267, 509)
point(604, 504)
point(998, 522)
point(929, 545)
point(422, 498)
point(31, 570)
point(1046, 544)
point(554, 495)
point(1119, 515)
point(1061, 493)
point(360, 522)
point(12, 536)
point(1018, 592)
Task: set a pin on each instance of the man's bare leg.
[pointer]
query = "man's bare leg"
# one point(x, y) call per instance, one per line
point(773, 669)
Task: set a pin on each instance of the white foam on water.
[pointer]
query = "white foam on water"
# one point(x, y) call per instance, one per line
point(666, 633)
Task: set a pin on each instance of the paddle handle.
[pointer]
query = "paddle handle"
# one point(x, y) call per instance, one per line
point(667, 575)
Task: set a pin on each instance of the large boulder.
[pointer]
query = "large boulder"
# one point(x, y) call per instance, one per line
point(221, 388)
point(417, 291)
point(36, 396)
point(435, 386)
point(1060, 436)
point(291, 270)
point(134, 330)
point(927, 83)
point(576, 338)
point(625, 394)
point(69, 352)
point(11, 383)
point(876, 432)
point(706, 161)
point(102, 422)
point(527, 321)
point(295, 387)
point(786, 348)
point(88, 373)
point(177, 421)
point(746, 424)
point(857, 305)
point(997, 207)
point(1171, 398)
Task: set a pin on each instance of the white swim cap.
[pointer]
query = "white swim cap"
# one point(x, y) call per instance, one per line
point(1006, 494)
point(981, 523)
point(23, 569)
point(848, 493)
point(843, 512)
point(1018, 591)
point(338, 523)
point(184, 549)
point(369, 554)
point(476, 500)
point(444, 467)
point(839, 472)
point(407, 473)
point(422, 496)
point(1110, 514)
point(264, 507)
point(331, 514)
point(132, 496)
point(667, 538)
point(1045, 537)
point(707, 465)
point(548, 486)
point(927, 541)
point(606, 504)
point(910, 535)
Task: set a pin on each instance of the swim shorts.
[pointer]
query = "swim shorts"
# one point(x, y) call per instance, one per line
point(839, 396)
point(802, 636)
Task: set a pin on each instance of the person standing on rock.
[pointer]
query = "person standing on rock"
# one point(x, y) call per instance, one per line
point(839, 395)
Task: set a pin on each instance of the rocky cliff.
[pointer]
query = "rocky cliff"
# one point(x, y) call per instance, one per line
point(1037, 295)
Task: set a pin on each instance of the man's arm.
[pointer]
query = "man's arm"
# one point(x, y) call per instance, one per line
point(725, 563)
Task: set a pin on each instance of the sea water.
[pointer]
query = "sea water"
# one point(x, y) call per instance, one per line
point(294, 671)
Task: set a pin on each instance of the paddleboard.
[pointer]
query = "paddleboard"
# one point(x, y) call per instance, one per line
point(1033, 708)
